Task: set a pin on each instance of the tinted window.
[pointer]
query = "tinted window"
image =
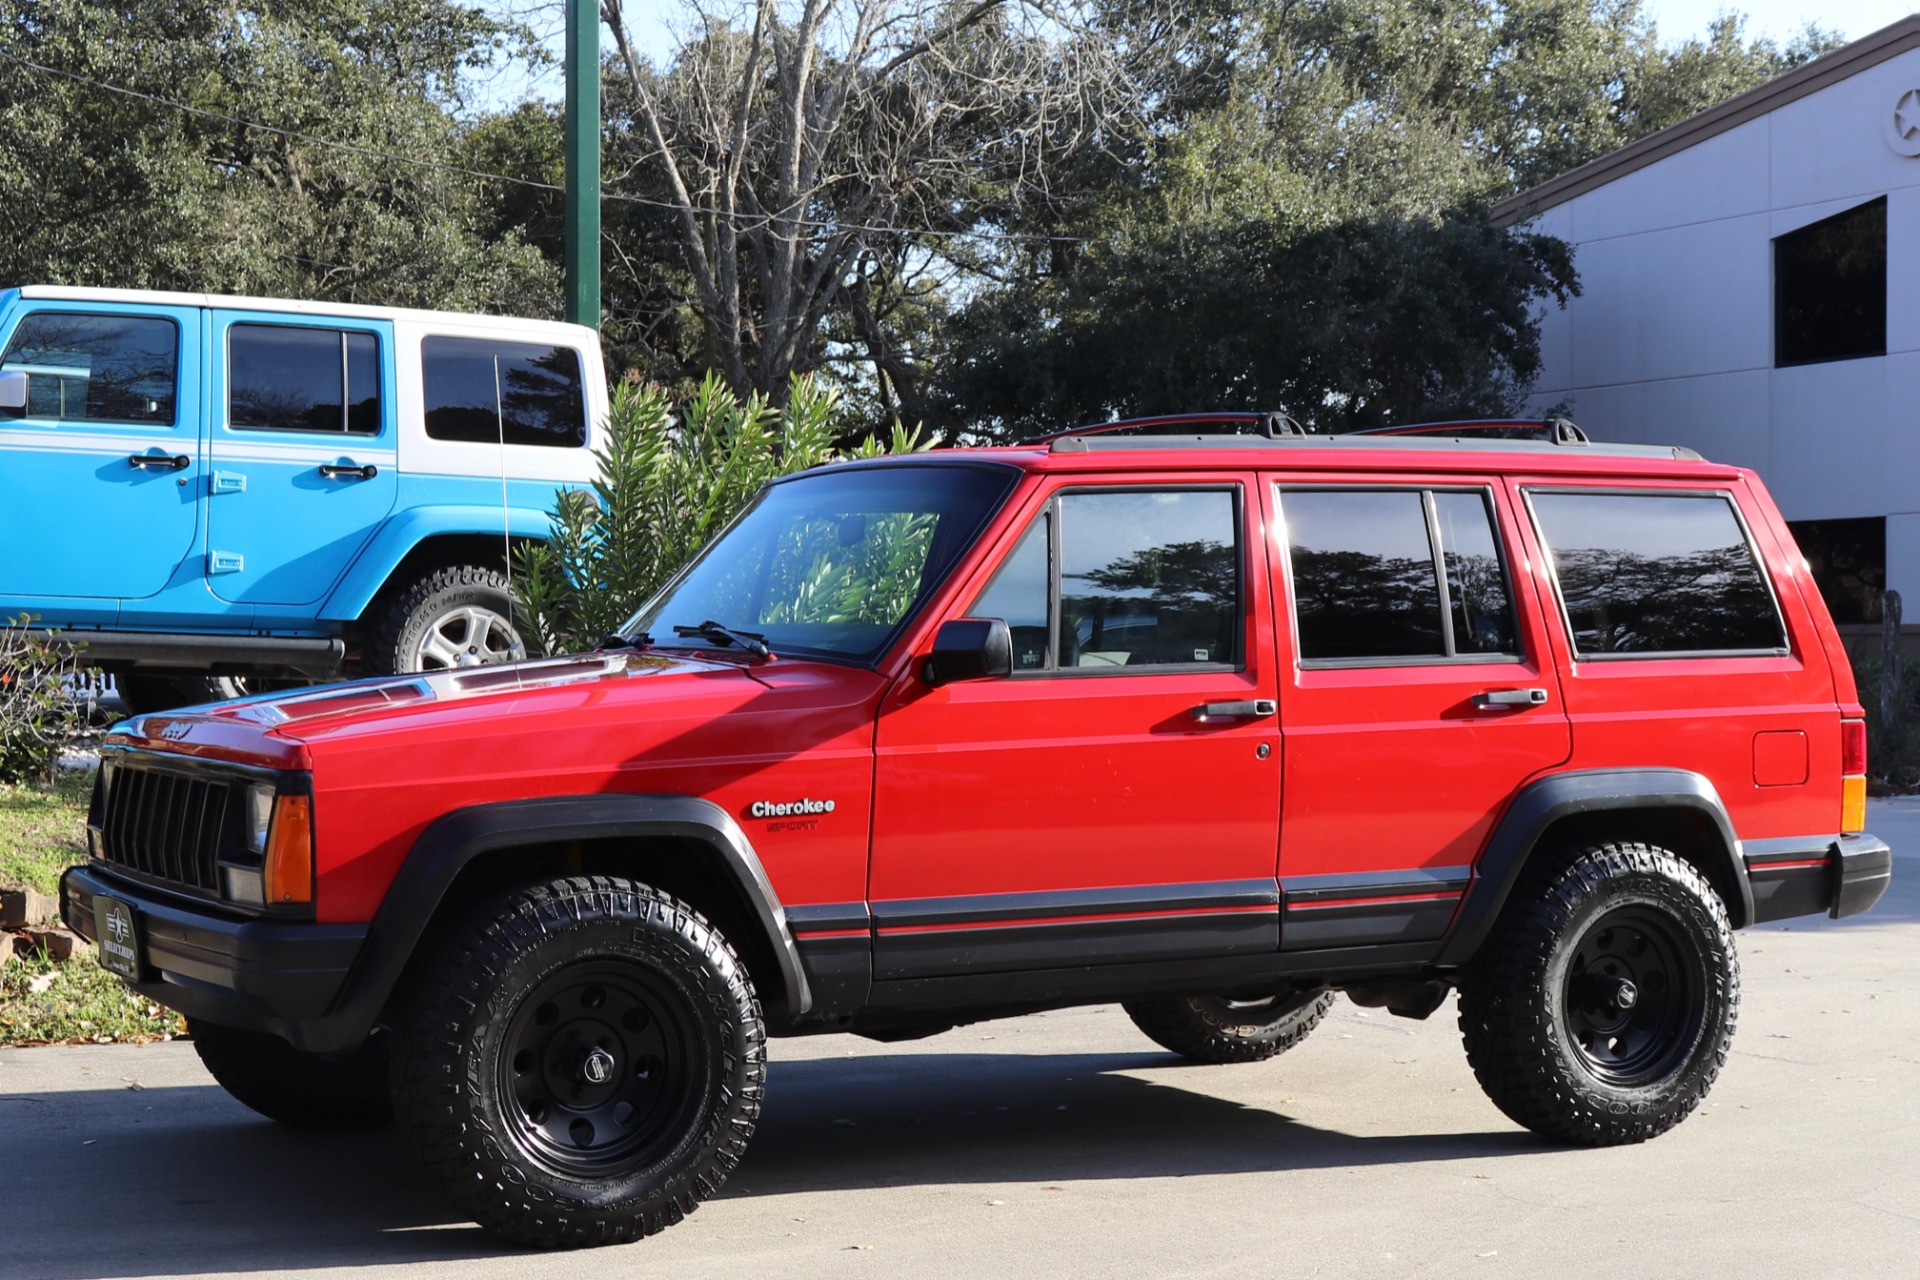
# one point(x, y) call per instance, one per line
point(485, 392)
point(1368, 581)
point(1830, 288)
point(96, 368)
point(832, 563)
point(1656, 573)
point(284, 378)
point(1479, 606)
point(1148, 578)
point(1018, 596)
point(1363, 579)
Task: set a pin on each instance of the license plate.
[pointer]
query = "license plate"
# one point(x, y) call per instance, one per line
point(118, 937)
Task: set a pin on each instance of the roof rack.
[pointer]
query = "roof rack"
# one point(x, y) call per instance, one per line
point(1272, 424)
point(1551, 430)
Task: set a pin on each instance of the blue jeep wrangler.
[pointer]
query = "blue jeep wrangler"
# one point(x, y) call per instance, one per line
point(211, 490)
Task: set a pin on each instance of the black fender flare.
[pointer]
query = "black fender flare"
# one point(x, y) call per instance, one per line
point(454, 840)
point(1545, 801)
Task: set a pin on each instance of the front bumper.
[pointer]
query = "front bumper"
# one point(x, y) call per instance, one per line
point(1840, 876)
point(263, 975)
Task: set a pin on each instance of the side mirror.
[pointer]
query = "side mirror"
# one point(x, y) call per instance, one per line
point(969, 649)
point(13, 393)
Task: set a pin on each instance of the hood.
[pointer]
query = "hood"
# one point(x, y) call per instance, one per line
point(275, 727)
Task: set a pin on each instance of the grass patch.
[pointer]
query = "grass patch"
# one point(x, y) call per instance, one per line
point(43, 831)
point(79, 1002)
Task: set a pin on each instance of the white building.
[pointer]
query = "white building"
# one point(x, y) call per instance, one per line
point(1751, 288)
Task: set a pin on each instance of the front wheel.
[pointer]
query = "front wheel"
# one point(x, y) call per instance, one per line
point(581, 1064)
point(1602, 1008)
point(298, 1089)
point(1221, 1030)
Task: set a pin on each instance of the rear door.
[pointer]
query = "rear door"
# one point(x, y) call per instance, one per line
point(1090, 808)
point(100, 487)
point(302, 452)
point(1422, 696)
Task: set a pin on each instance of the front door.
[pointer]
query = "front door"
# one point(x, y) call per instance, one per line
point(1116, 798)
point(100, 487)
point(302, 453)
point(1420, 701)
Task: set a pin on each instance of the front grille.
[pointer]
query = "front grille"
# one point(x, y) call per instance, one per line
point(170, 826)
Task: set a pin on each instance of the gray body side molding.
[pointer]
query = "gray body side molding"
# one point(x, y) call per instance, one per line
point(1546, 801)
point(453, 841)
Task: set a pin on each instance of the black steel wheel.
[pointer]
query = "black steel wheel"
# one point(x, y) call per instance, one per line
point(1601, 1009)
point(602, 1063)
point(581, 1063)
point(1224, 1029)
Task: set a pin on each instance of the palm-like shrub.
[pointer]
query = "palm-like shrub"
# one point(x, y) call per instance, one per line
point(671, 477)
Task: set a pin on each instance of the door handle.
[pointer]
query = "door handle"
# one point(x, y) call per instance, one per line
point(160, 461)
point(1510, 698)
point(339, 471)
point(1254, 707)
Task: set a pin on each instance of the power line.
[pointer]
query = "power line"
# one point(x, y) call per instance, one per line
point(441, 167)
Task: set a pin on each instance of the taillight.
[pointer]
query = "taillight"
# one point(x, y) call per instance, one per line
point(1853, 781)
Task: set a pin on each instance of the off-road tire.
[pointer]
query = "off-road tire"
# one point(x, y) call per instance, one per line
point(394, 643)
point(297, 1089)
point(1213, 1029)
point(1554, 1039)
point(491, 1064)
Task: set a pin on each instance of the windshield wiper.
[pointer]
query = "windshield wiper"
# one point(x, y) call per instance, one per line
point(614, 640)
point(711, 630)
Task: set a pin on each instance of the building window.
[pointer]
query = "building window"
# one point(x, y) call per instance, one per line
point(1830, 288)
point(1849, 563)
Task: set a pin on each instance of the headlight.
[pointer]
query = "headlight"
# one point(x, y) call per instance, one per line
point(259, 816)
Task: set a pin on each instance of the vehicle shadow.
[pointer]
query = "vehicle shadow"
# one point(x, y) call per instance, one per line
point(177, 1181)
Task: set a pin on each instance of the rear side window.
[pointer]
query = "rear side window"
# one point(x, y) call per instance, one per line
point(487, 392)
point(294, 378)
point(1396, 575)
point(84, 368)
point(1134, 578)
point(1644, 574)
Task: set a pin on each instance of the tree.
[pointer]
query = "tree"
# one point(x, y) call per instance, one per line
point(289, 147)
point(806, 160)
point(1307, 227)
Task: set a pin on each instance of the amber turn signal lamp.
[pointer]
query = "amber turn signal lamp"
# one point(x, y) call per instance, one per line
point(1853, 783)
point(289, 869)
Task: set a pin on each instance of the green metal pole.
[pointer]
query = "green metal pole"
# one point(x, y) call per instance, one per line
point(583, 162)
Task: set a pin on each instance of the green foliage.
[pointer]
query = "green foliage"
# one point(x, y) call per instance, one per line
point(671, 476)
point(42, 832)
point(99, 187)
point(37, 712)
point(1893, 750)
point(78, 1002)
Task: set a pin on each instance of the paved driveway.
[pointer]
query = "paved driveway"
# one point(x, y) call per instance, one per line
point(1067, 1145)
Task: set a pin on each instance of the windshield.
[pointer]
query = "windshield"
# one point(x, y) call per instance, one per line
point(832, 563)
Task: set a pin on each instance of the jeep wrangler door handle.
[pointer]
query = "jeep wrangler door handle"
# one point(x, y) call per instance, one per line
point(1235, 710)
point(160, 461)
point(340, 471)
point(1510, 698)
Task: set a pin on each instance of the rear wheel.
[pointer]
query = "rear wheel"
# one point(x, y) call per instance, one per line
point(298, 1089)
point(1221, 1030)
point(582, 1063)
point(1602, 1008)
point(461, 616)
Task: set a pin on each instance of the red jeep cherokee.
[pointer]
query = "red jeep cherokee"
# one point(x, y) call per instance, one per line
point(1212, 725)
